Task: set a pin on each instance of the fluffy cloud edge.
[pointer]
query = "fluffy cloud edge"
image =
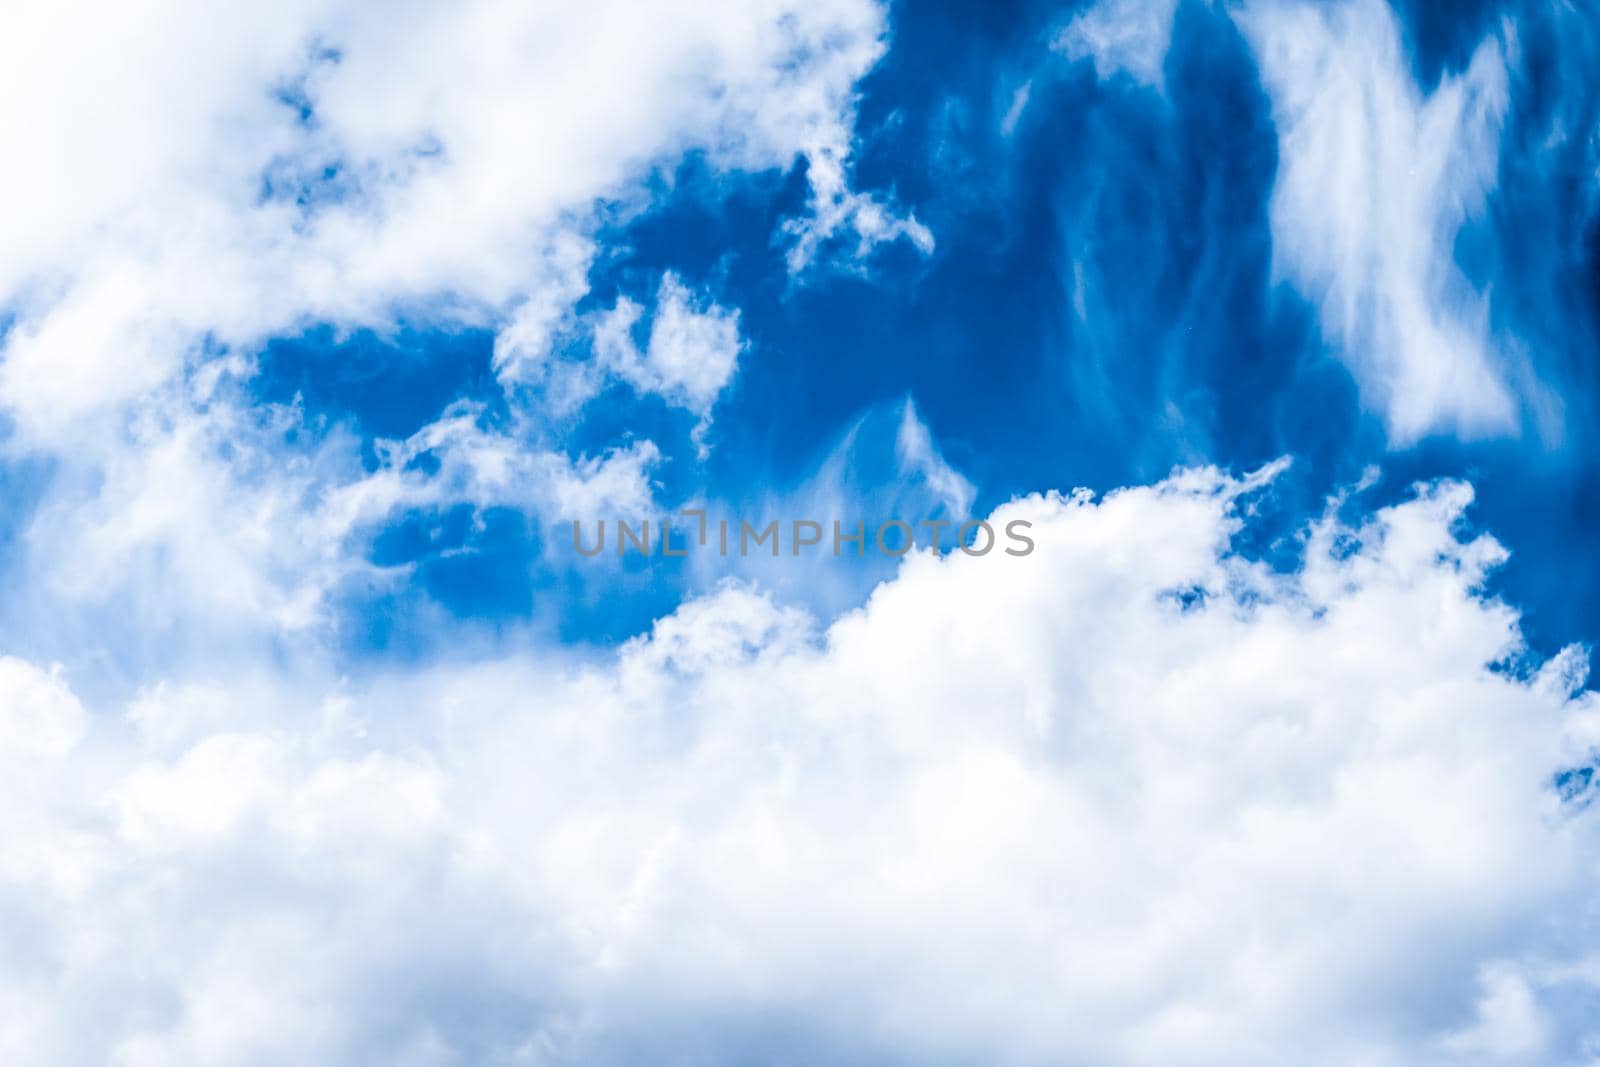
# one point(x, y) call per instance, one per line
point(1134, 798)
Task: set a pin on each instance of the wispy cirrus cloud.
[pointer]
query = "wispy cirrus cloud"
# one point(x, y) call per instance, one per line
point(1375, 179)
point(1121, 36)
point(1382, 208)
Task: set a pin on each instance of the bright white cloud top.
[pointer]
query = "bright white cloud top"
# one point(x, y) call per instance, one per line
point(1131, 799)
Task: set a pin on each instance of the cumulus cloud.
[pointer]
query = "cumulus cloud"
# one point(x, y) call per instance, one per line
point(1130, 799)
point(1375, 179)
point(211, 177)
point(45, 719)
point(206, 180)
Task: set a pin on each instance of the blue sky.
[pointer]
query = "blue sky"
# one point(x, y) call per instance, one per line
point(1102, 307)
point(1278, 320)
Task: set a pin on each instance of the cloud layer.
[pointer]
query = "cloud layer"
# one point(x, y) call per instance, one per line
point(1130, 799)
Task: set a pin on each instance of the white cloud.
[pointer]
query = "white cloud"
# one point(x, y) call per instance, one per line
point(205, 179)
point(920, 458)
point(524, 345)
point(693, 350)
point(1122, 36)
point(1014, 111)
point(1034, 810)
point(42, 719)
point(690, 357)
point(210, 177)
point(206, 537)
point(1509, 1027)
point(1375, 180)
point(838, 210)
